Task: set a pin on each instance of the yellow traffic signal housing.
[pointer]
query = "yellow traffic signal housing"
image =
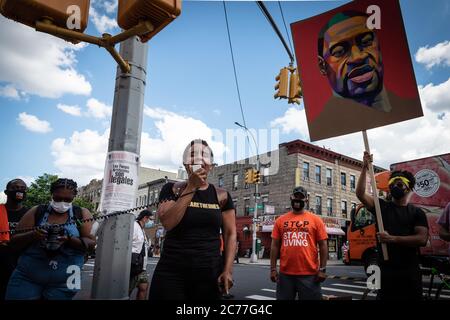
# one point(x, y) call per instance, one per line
point(295, 90)
point(257, 176)
point(60, 12)
point(249, 176)
point(159, 12)
point(282, 84)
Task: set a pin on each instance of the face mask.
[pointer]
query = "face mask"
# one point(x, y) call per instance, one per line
point(17, 196)
point(148, 224)
point(397, 193)
point(297, 205)
point(61, 207)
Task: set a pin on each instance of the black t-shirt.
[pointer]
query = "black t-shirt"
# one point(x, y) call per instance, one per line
point(401, 221)
point(195, 241)
point(15, 216)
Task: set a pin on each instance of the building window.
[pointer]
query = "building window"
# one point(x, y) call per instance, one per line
point(344, 208)
point(318, 204)
point(306, 171)
point(329, 178)
point(235, 181)
point(220, 181)
point(343, 180)
point(330, 207)
point(246, 185)
point(318, 174)
point(145, 200)
point(235, 203)
point(137, 202)
point(352, 182)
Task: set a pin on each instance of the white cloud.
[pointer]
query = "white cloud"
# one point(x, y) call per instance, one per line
point(98, 109)
point(82, 156)
point(9, 92)
point(38, 63)
point(436, 97)
point(174, 133)
point(110, 6)
point(33, 123)
point(434, 56)
point(416, 138)
point(72, 110)
point(293, 120)
point(102, 22)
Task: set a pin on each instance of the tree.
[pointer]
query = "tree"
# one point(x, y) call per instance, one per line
point(81, 202)
point(39, 191)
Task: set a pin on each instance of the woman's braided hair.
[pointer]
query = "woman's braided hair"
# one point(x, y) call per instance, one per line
point(64, 183)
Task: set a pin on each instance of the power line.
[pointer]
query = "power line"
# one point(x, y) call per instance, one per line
point(275, 28)
point(285, 27)
point(234, 65)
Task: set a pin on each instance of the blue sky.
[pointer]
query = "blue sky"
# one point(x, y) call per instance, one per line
point(191, 90)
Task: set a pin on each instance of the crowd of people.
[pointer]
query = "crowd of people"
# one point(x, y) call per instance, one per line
point(200, 244)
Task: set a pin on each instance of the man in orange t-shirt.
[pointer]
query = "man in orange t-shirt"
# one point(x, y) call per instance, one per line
point(296, 238)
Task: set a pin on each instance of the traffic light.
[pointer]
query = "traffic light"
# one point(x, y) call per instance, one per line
point(282, 84)
point(67, 14)
point(295, 90)
point(257, 176)
point(159, 12)
point(249, 177)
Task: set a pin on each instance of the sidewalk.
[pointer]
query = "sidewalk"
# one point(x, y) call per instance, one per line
point(266, 262)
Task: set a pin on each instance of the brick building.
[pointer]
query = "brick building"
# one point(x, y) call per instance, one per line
point(329, 177)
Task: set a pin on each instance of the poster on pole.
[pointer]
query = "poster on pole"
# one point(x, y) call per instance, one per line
point(355, 68)
point(120, 182)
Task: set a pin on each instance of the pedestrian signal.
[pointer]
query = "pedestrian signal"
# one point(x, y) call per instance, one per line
point(67, 14)
point(158, 12)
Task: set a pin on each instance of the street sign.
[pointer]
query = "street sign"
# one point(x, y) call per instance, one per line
point(251, 209)
point(257, 195)
point(260, 206)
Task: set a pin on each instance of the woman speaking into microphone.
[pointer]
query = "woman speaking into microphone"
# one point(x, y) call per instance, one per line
point(193, 213)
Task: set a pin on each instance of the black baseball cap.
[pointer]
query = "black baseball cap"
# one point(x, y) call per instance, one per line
point(300, 190)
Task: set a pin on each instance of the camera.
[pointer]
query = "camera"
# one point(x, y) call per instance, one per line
point(52, 243)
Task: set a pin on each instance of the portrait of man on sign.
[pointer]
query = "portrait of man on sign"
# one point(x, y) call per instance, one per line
point(355, 68)
point(349, 56)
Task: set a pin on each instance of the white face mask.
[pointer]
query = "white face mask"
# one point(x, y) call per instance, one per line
point(61, 207)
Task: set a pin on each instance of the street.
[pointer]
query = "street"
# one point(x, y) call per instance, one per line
point(252, 282)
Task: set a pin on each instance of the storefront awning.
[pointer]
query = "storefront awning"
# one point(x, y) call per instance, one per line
point(335, 231)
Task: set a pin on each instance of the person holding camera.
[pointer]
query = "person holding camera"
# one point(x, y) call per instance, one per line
point(139, 255)
point(193, 212)
point(55, 247)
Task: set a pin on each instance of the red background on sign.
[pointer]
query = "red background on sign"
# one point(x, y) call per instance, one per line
point(398, 72)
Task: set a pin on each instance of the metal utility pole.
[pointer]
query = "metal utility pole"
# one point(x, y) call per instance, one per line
point(254, 256)
point(113, 253)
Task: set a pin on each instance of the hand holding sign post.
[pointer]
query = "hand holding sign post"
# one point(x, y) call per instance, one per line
point(356, 72)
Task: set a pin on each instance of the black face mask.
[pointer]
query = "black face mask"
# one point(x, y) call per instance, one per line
point(397, 193)
point(16, 196)
point(297, 205)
